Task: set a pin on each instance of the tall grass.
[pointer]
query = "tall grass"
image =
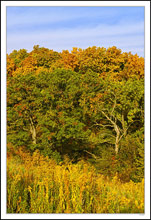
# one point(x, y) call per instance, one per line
point(36, 184)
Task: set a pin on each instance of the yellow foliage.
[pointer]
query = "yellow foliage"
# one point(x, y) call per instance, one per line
point(38, 185)
point(109, 62)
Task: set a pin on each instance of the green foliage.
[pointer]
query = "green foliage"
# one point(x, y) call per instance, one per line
point(138, 173)
point(87, 104)
point(18, 56)
point(44, 57)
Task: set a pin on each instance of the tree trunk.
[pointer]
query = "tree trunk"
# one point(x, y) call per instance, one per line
point(117, 130)
point(33, 131)
point(117, 139)
point(123, 125)
point(116, 147)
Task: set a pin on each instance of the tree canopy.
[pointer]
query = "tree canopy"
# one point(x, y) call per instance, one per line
point(87, 103)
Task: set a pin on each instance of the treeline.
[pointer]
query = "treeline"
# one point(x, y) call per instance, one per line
point(87, 104)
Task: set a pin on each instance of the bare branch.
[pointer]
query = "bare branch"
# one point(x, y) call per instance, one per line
point(11, 132)
point(108, 118)
point(121, 137)
point(101, 125)
point(93, 155)
point(113, 106)
point(108, 135)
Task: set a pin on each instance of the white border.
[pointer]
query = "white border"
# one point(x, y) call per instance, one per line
point(147, 109)
point(146, 4)
point(76, 3)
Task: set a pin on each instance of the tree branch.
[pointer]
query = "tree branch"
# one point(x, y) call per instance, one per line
point(108, 118)
point(101, 125)
point(113, 107)
point(93, 155)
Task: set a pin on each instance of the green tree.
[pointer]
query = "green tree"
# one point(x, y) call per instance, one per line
point(120, 106)
point(24, 103)
point(43, 111)
point(87, 103)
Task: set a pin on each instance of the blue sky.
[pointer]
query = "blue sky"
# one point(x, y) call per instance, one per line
point(60, 28)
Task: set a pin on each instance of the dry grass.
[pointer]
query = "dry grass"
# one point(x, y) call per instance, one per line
point(36, 184)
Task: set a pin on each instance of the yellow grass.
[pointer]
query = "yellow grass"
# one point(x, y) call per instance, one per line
point(36, 184)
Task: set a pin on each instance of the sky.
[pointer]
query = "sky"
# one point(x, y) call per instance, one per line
point(62, 28)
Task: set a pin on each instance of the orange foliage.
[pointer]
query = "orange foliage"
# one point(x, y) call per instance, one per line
point(109, 62)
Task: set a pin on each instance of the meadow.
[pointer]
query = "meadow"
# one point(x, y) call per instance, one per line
point(36, 184)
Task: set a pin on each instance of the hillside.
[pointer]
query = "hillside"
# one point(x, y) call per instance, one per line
point(75, 129)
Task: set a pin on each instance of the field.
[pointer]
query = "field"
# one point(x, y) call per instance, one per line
point(36, 184)
point(75, 131)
